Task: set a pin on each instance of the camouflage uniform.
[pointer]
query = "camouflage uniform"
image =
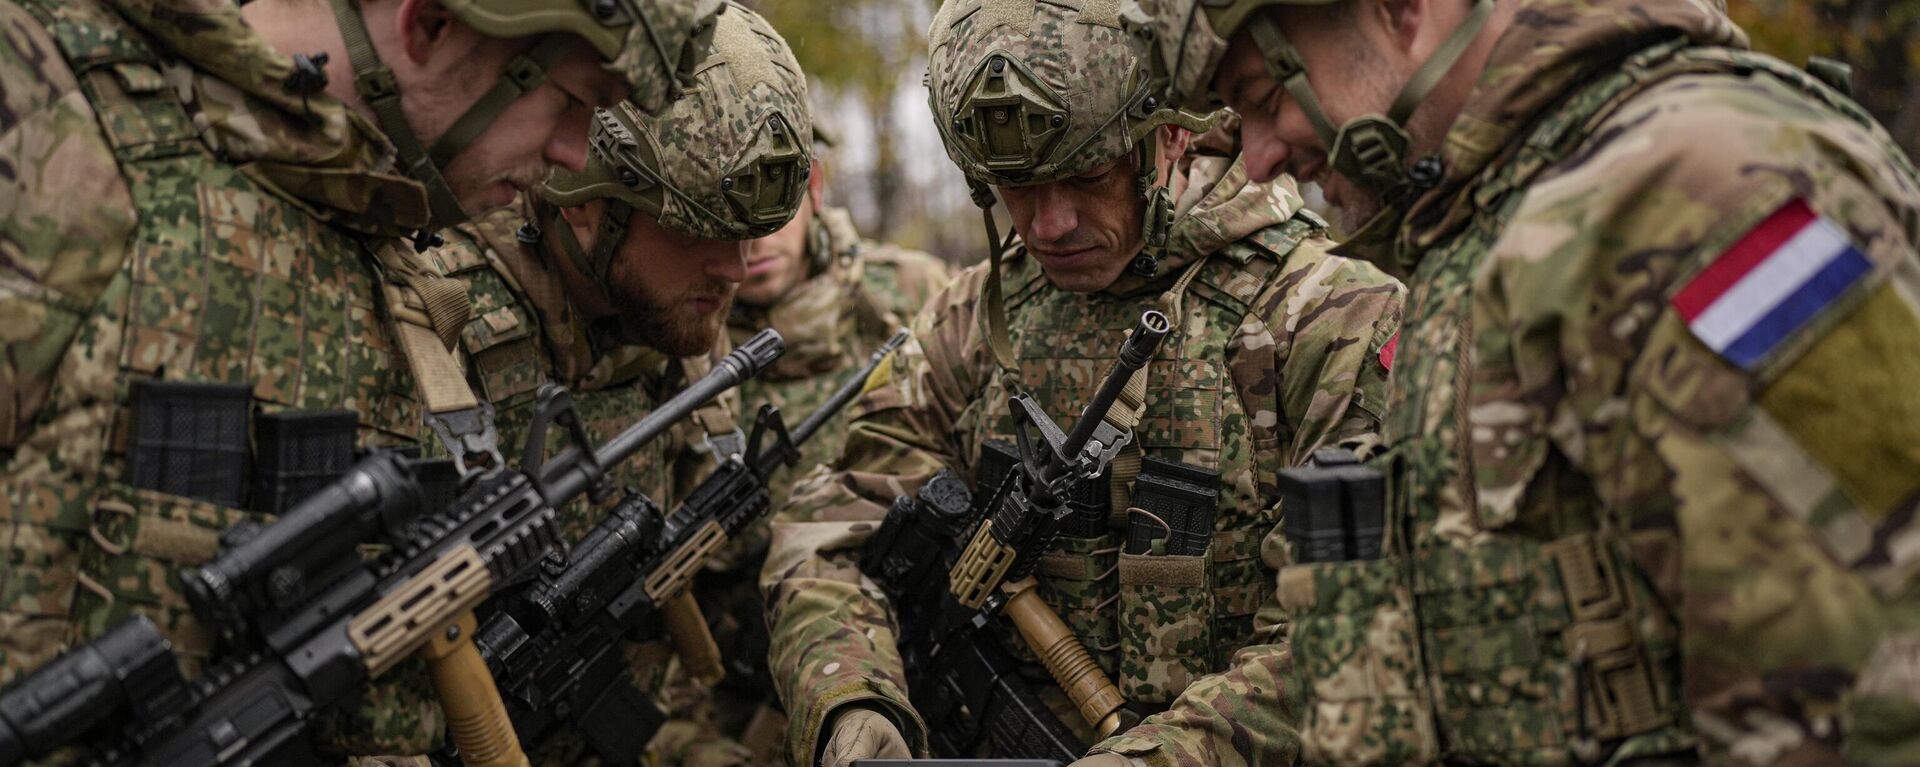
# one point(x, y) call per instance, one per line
point(174, 214)
point(857, 293)
point(182, 211)
point(860, 292)
point(1275, 352)
point(744, 126)
point(525, 333)
point(1611, 541)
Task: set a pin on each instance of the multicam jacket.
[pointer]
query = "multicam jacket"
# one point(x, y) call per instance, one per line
point(861, 292)
point(1275, 352)
point(173, 212)
point(1656, 446)
point(526, 333)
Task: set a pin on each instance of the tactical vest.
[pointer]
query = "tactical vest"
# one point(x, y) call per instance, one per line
point(1540, 643)
point(507, 351)
point(226, 282)
point(1154, 622)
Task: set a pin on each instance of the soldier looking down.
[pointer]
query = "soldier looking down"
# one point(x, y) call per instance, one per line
point(208, 267)
point(1276, 350)
point(621, 293)
point(1655, 450)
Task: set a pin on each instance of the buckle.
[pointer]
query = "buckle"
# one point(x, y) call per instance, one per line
point(1588, 578)
point(468, 434)
point(525, 72)
point(723, 446)
point(1620, 690)
point(377, 85)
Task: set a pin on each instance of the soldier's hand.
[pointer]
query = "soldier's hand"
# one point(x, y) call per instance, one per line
point(1105, 759)
point(863, 734)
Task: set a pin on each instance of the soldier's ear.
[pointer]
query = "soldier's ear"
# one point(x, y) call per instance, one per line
point(423, 25)
point(1172, 142)
point(1407, 26)
point(817, 185)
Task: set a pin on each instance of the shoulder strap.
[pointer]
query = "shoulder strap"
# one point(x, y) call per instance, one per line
point(426, 312)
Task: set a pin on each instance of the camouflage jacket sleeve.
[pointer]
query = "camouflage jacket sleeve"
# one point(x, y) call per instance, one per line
point(833, 631)
point(65, 217)
point(1769, 481)
point(1318, 347)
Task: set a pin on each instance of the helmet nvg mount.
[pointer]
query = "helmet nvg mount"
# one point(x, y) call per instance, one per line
point(1191, 37)
point(727, 161)
point(653, 45)
point(1025, 92)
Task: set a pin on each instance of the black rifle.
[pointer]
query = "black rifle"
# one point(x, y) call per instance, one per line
point(957, 673)
point(555, 649)
point(313, 622)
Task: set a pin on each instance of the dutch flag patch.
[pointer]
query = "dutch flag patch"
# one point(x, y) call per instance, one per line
point(1771, 283)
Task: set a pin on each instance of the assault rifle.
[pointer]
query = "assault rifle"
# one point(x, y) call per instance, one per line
point(957, 673)
point(313, 621)
point(555, 649)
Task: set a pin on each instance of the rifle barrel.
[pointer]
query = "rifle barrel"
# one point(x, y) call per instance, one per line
point(742, 363)
point(848, 390)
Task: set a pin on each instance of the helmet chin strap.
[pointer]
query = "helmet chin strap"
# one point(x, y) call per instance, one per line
point(375, 83)
point(1157, 220)
point(1370, 150)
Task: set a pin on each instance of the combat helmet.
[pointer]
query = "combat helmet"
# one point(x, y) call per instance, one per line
point(652, 45)
point(729, 160)
point(1026, 92)
point(1190, 38)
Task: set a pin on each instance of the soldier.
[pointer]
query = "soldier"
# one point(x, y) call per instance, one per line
point(622, 295)
point(1277, 349)
point(835, 297)
point(201, 227)
point(1655, 447)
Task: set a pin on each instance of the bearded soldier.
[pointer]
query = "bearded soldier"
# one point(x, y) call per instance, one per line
point(206, 269)
point(1276, 349)
point(1655, 454)
point(621, 293)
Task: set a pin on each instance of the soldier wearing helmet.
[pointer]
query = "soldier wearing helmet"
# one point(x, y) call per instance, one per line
point(620, 291)
point(211, 225)
point(1651, 463)
point(1277, 350)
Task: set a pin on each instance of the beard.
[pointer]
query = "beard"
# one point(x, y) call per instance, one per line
point(671, 325)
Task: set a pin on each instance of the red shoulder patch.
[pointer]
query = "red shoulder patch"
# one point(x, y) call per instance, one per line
point(1387, 351)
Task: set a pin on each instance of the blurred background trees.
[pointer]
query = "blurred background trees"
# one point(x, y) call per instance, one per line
point(867, 58)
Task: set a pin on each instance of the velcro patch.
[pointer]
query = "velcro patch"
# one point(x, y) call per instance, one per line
point(1775, 281)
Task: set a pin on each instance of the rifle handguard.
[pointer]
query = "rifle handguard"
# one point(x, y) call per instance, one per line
point(687, 627)
point(475, 715)
point(982, 567)
point(410, 616)
point(1098, 700)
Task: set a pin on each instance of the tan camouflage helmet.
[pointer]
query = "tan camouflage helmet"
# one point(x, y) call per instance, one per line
point(728, 161)
point(1190, 38)
point(651, 44)
point(1026, 92)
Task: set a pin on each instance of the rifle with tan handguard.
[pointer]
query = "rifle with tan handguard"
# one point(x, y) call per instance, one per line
point(556, 648)
point(310, 622)
point(954, 668)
